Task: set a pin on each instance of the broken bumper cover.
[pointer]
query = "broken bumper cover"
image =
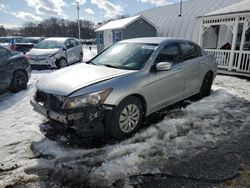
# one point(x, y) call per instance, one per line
point(61, 117)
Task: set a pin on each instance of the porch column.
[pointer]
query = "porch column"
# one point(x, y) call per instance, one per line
point(200, 40)
point(232, 53)
point(243, 37)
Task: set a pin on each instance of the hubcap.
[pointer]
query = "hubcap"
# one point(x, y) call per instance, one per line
point(129, 118)
point(20, 80)
point(63, 63)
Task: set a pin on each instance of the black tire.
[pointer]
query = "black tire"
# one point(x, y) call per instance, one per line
point(18, 82)
point(62, 63)
point(114, 119)
point(80, 57)
point(206, 86)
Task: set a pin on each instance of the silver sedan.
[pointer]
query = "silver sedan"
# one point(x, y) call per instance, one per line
point(125, 83)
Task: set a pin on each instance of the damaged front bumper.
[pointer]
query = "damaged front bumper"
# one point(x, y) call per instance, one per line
point(86, 114)
point(60, 117)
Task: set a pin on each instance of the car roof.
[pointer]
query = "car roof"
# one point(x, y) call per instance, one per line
point(59, 38)
point(152, 40)
point(34, 37)
point(10, 37)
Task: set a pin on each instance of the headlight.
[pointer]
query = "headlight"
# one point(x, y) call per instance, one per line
point(87, 100)
point(54, 57)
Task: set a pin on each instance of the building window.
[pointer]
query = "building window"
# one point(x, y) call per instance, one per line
point(117, 36)
point(101, 38)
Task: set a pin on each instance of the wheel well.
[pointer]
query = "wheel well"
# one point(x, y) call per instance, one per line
point(20, 71)
point(210, 72)
point(62, 58)
point(143, 101)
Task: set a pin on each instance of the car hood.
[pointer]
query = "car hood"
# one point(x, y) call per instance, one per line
point(67, 80)
point(42, 52)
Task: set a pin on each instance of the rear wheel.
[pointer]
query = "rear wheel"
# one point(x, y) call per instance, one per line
point(206, 86)
point(19, 81)
point(62, 63)
point(126, 118)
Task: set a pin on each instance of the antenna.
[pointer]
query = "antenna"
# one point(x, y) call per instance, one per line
point(180, 9)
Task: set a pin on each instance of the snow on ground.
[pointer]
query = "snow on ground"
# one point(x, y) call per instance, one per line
point(27, 155)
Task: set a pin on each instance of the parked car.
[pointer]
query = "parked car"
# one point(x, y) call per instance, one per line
point(56, 52)
point(124, 84)
point(15, 70)
point(27, 43)
point(9, 42)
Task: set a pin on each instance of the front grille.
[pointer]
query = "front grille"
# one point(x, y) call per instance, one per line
point(49, 101)
point(39, 67)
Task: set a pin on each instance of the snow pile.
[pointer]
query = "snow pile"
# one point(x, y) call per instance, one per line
point(183, 132)
point(27, 155)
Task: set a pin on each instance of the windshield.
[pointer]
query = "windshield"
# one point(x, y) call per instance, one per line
point(29, 40)
point(132, 56)
point(4, 40)
point(50, 44)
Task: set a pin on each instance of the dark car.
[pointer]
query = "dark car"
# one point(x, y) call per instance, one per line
point(14, 70)
point(27, 43)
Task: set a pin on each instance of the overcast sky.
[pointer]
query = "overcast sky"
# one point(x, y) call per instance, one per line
point(16, 12)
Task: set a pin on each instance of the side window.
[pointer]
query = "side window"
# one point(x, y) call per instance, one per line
point(199, 50)
point(189, 50)
point(68, 44)
point(73, 42)
point(170, 53)
point(77, 42)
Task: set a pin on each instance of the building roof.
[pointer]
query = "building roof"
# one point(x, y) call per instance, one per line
point(240, 7)
point(122, 23)
point(187, 26)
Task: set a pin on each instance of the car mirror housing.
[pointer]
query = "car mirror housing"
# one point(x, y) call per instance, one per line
point(163, 66)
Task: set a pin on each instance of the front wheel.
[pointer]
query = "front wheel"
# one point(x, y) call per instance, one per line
point(62, 63)
point(18, 82)
point(206, 86)
point(126, 118)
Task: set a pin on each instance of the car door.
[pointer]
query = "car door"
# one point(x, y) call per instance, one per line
point(5, 68)
point(70, 51)
point(76, 50)
point(167, 86)
point(191, 71)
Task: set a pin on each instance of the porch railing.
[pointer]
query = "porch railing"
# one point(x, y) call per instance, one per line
point(240, 63)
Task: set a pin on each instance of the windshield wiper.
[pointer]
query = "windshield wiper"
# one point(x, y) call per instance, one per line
point(90, 62)
point(112, 66)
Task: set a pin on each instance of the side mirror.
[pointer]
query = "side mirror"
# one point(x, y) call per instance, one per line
point(163, 66)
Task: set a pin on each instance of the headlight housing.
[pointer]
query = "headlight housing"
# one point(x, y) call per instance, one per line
point(91, 99)
point(54, 57)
